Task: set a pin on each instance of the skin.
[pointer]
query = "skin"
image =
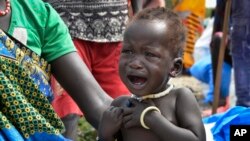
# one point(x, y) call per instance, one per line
point(138, 5)
point(4, 20)
point(76, 79)
point(154, 3)
point(143, 55)
point(146, 54)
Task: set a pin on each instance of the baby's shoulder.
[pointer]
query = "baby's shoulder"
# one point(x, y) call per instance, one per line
point(181, 91)
point(183, 94)
point(119, 101)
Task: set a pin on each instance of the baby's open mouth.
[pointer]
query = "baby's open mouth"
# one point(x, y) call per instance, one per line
point(137, 80)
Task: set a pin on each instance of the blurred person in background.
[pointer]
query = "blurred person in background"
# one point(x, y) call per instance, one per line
point(240, 50)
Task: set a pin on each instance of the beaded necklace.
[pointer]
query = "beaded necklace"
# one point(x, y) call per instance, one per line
point(151, 96)
point(7, 9)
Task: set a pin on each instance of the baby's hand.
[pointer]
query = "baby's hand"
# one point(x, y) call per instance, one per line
point(132, 113)
point(111, 122)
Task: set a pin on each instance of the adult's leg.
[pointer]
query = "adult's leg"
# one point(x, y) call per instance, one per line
point(241, 62)
point(70, 122)
point(69, 113)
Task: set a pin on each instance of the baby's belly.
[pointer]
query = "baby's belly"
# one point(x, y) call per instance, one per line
point(138, 134)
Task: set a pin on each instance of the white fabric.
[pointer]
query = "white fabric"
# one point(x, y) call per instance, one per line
point(209, 135)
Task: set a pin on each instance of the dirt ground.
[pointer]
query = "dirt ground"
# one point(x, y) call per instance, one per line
point(190, 82)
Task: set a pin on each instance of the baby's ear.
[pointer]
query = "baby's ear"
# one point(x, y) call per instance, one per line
point(177, 67)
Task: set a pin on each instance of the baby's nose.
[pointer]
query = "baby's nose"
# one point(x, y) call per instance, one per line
point(136, 64)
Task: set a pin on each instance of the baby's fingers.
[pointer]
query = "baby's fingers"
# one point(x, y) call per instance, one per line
point(126, 118)
point(128, 123)
point(118, 110)
point(127, 111)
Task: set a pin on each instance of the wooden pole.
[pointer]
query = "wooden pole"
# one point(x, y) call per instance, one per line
point(221, 57)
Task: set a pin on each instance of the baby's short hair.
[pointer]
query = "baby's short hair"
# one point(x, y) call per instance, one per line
point(176, 33)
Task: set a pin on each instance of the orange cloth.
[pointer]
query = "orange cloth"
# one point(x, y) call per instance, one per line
point(194, 6)
point(192, 12)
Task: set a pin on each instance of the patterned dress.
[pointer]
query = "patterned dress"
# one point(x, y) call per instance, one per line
point(25, 94)
point(94, 20)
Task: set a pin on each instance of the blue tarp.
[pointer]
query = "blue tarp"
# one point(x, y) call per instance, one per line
point(234, 116)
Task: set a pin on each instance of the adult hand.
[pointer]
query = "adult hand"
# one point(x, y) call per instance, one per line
point(131, 115)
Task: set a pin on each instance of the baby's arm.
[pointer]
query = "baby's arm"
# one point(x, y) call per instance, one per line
point(190, 126)
point(111, 121)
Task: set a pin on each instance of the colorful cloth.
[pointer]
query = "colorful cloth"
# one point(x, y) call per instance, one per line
point(192, 12)
point(94, 20)
point(25, 110)
point(193, 6)
point(38, 26)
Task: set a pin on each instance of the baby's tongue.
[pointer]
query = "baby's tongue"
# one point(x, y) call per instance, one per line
point(138, 80)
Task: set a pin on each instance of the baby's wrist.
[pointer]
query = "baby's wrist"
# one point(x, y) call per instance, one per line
point(149, 110)
point(150, 117)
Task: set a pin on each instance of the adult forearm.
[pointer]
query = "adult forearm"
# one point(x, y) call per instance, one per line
point(77, 80)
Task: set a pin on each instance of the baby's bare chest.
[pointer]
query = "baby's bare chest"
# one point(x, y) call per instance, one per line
point(167, 107)
point(138, 134)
